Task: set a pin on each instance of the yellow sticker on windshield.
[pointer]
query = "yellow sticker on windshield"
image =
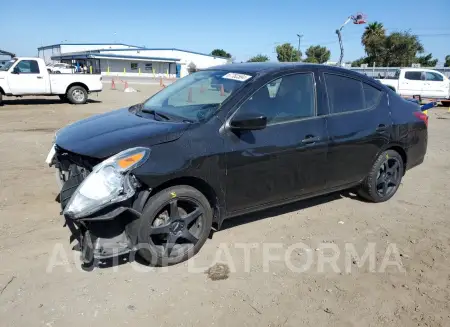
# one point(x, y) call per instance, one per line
point(173, 194)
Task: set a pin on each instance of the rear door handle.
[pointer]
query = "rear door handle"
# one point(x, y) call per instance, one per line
point(310, 139)
point(40, 77)
point(381, 128)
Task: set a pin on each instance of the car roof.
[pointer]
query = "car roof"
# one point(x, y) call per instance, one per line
point(272, 67)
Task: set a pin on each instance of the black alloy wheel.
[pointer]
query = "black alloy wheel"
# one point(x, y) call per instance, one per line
point(388, 177)
point(384, 178)
point(174, 225)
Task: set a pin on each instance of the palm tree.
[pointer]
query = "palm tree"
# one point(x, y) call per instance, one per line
point(372, 31)
point(373, 40)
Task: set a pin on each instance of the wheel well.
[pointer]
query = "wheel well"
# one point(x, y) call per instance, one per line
point(1, 91)
point(77, 84)
point(402, 153)
point(199, 184)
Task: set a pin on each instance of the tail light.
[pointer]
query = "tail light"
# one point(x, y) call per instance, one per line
point(422, 117)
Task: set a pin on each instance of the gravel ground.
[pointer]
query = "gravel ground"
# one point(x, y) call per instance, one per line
point(406, 283)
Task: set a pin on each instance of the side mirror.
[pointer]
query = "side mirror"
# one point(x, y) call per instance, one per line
point(248, 121)
point(15, 70)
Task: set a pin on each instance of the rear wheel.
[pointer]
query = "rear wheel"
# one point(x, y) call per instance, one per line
point(175, 224)
point(384, 178)
point(77, 95)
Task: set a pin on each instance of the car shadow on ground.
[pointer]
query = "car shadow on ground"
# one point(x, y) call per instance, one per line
point(287, 208)
point(39, 101)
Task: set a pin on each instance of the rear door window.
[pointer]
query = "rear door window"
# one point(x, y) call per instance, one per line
point(345, 94)
point(414, 75)
point(372, 96)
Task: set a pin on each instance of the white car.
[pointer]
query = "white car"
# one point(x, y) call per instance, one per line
point(63, 68)
point(426, 83)
point(29, 76)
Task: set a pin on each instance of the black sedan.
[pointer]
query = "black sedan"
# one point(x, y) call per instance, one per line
point(157, 176)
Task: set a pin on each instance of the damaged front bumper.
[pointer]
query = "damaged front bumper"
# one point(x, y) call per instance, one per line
point(106, 233)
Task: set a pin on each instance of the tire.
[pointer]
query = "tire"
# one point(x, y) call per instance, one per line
point(445, 103)
point(63, 97)
point(77, 95)
point(155, 236)
point(57, 72)
point(1, 99)
point(373, 187)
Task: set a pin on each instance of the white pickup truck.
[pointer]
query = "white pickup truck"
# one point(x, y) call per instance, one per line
point(29, 76)
point(426, 83)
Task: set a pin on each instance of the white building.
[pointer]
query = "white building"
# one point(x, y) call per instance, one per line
point(123, 59)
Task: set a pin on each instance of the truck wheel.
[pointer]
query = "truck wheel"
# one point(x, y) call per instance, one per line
point(1, 99)
point(175, 224)
point(77, 95)
point(384, 178)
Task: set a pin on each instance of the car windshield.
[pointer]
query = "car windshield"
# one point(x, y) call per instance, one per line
point(196, 96)
point(8, 65)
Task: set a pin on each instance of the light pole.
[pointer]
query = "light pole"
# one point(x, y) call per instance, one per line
point(299, 39)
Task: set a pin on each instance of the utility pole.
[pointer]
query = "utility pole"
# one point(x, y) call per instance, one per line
point(299, 39)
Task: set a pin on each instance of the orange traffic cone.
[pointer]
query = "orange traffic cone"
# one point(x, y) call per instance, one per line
point(126, 85)
point(161, 82)
point(222, 91)
point(113, 85)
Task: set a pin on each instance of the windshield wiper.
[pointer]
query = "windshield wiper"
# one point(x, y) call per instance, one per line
point(158, 115)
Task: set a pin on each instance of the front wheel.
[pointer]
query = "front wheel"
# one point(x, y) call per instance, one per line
point(175, 224)
point(384, 178)
point(77, 95)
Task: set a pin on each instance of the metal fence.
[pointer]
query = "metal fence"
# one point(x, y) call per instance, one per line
point(384, 72)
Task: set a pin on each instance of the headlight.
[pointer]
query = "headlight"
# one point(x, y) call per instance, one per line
point(109, 182)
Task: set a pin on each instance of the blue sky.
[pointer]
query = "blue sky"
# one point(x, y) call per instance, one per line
point(242, 27)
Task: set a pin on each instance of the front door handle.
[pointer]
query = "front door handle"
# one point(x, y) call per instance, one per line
point(381, 128)
point(310, 139)
point(40, 77)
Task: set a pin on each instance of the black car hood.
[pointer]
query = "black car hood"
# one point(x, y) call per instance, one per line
point(103, 135)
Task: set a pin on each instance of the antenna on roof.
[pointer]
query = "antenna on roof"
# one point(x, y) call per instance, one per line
point(357, 19)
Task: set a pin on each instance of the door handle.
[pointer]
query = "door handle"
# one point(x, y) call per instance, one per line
point(310, 139)
point(40, 77)
point(381, 128)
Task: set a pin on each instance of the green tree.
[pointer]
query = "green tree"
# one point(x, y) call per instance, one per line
point(317, 54)
point(311, 60)
point(447, 61)
point(220, 53)
point(373, 40)
point(426, 61)
point(401, 49)
point(287, 53)
point(359, 62)
point(258, 58)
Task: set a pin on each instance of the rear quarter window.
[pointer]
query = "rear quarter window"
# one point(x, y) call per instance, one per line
point(346, 94)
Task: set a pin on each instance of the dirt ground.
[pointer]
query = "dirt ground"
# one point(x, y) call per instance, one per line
point(40, 286)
